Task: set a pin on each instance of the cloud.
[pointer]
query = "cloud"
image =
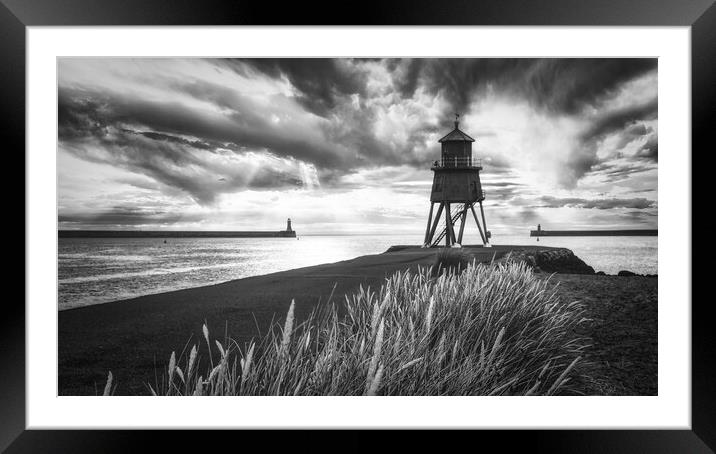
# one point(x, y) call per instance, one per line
point(621, 119)
point(320, 83)
point(570, 85)
point(601, 204)
point(342, 114)
point(562, 86)
point(625, 123)
point(101, 130)
point(650, 149)
point(127, 217)
point(202, 130)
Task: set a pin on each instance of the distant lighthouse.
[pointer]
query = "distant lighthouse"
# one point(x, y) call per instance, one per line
point(288, 225)
point(456, 189)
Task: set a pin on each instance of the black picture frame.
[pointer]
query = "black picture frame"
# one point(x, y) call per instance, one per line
point(16, 15)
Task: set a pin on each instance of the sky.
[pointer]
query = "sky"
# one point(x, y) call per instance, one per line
point(345, 145)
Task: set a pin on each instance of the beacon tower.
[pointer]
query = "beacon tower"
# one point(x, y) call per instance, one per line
point(456, 190)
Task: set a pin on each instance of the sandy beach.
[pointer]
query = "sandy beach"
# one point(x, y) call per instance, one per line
point(133, 338)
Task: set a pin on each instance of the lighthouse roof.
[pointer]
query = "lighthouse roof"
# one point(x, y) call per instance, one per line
point(456, 136)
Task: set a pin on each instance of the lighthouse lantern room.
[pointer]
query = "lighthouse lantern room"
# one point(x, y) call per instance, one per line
point(456, 190)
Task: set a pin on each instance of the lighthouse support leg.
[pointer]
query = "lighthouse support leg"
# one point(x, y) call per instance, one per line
point(435, 225)
point(448, 225)
point(484, 224)
point(474, 215)
point(426, 241)
point(462, 224)
point(453, 237)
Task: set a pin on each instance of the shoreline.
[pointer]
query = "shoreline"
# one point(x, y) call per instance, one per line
point(498, 250)
point(133, 337)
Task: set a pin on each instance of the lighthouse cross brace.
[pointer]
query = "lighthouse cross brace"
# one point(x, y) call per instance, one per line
point(448, 232)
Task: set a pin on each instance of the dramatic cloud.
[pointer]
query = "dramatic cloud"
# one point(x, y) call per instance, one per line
point(562, 86)
point(214, 142)
point(602, 204)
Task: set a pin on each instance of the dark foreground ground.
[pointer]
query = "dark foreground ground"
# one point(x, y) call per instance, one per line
point(623, 330)
point(134, 338)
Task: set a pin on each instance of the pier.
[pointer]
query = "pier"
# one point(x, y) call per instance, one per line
point(173, 234)
point(288, 233)
point(643, 232)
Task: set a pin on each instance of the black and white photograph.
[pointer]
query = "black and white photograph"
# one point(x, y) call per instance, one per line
point(357, 226)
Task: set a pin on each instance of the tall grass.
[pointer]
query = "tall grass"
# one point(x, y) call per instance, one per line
point(449, 260)
point(490, 330)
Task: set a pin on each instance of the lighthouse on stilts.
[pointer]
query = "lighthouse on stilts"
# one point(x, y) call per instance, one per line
point(456, 190)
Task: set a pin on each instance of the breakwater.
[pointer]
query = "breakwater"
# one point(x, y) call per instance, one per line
point(174, 234)
point(642, 232)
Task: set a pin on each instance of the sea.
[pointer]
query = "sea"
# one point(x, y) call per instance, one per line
point(100, 270)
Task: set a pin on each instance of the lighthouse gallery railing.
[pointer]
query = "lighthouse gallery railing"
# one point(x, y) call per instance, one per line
point(456, 162)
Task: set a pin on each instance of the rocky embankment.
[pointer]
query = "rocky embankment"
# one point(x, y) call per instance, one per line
point(629, 273)
point(559, 260)
point(540, 258)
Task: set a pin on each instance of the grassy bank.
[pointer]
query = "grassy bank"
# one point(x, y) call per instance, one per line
point(484, 330)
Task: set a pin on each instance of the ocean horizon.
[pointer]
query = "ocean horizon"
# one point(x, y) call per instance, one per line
point(100, 270)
